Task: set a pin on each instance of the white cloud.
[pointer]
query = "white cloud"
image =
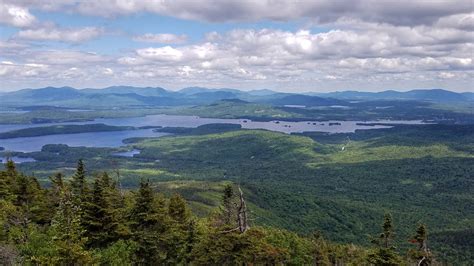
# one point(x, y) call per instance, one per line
point(59, 34)
point(165, 38)
point(166, 53)
point(401, 12)
point(15, 15)
point(368, 43)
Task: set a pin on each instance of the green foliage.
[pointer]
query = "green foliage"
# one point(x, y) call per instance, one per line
point(385, 253)
point(121, 252)
point(61, 129)
point(306, 184)
point(78, 183)
point(68, 233)
point(100, 220)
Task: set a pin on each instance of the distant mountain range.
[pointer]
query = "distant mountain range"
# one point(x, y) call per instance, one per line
point(434, 95)
point(117, 96)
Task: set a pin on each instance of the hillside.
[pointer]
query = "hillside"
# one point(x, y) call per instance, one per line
point(127, 96)
point(432, 95)
point(79, 222)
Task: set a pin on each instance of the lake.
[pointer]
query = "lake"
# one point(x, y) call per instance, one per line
point(17, 159)
point(115, 138)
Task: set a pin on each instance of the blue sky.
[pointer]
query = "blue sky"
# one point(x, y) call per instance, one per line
point(276, 44)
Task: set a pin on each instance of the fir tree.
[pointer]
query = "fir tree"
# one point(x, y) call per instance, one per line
point(422, 255)
point(57, 185)
point(387, 235)
point(385, 254)
point(68, 233)
point(11, 168)
point(228, 215)
point(180, 240)
point(149, 223)
point(177, 209)
point(78, 183)
point(99, 220)
point(7, 179)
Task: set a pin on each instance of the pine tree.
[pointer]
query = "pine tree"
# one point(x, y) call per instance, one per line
point(99, 220)
point(228, 215)
point(78, 183)
point(149, 223)
point(385, 254)
point(177, 209)
point(68, 234)
point(57, 185)
point(11, 168)
point(422, 255)
point(387, 235)
point(7, 179)
point(180, 240)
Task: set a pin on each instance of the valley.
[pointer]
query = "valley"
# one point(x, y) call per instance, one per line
point(304, 168)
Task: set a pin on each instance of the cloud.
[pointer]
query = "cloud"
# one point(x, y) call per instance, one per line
point(401, 12)
point(366, 44)
point(53, 33)
point(166, 53)
point(15, 15)
point(65, 58)
point(165, 38)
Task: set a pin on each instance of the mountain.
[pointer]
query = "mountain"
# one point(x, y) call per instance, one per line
point(432, 95)
point(146, 91)
point(306, 100)
point(122, 96)
point(263, 92)
point(40, 96)
point(115, 96)
point(196, 90)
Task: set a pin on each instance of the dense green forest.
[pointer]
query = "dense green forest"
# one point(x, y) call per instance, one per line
point(60, 129)
point(306, 182)
point(74, 221)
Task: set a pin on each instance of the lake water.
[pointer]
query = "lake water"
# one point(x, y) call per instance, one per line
point(92, 139)
point(127, 153)
point(17, 159)
point(115, 138)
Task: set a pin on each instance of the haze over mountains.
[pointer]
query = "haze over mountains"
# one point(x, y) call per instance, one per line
point(157, 96)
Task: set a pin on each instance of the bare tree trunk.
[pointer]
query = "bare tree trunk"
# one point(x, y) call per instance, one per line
point(242, 214)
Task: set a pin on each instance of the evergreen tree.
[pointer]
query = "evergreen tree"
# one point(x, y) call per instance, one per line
point(5, 186)
point(387, 235)
point(177, 210)
point(181, 231)
point(7, 179)
point(100, 222)
point(148, 221)
point(421, 255)
point(78, 183)
point(228, 215)
point(385, 254)
point(57, 185)
point(11, 168)
point(68, 233)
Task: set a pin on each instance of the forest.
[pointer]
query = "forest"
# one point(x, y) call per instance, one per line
point(82, 219)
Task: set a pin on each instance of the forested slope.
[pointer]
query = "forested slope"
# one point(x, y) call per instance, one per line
point(74, 222)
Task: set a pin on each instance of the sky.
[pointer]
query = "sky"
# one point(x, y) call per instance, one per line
point(283, 45)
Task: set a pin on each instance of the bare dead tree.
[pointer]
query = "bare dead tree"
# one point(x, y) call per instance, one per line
point(242, 214)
